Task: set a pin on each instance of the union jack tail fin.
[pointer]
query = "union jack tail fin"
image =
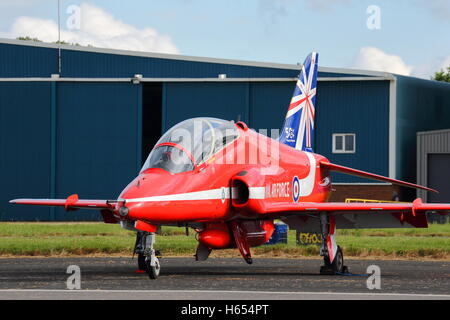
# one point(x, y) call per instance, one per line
point(298, 129)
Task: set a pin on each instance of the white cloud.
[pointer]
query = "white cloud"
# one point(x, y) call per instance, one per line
point(370, 58)
point(429, 68)
point(97, 28)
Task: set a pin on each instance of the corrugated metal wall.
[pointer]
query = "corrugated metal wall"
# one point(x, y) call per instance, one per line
point(433, 142)
point(34, 61)
point(360, 107)
point(188, 100)
point(25, 135)
point(269, 102)
point(92, 147)
point(98, 141)
point(262, 105)
point(22, 61)
point(90, 64)
point(90, 143)
point(40, 61)
point(422, 105)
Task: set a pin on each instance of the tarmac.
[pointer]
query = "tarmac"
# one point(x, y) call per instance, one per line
point(221, 279)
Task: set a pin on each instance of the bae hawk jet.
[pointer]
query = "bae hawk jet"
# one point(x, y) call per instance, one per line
point(208, 174)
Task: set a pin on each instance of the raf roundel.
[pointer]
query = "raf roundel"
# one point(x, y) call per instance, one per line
point(295, 189)
point(223, 194)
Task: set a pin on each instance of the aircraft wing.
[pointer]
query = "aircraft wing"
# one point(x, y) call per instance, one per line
point(352, 215)
point(342, 207)
point(71, 203)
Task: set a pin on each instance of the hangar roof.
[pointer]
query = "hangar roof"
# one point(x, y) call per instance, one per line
point(326, 70)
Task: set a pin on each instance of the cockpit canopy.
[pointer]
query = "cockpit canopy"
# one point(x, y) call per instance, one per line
point(190, 143)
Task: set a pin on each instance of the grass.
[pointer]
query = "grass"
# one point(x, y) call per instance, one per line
point(62, 239)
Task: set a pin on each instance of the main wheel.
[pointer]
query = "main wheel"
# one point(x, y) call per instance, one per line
point(338, 262)
point(141, 263)
point(153, 271)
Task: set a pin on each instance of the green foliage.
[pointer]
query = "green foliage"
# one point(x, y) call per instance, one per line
point(29, 39)
point(56, 42)
point(442, 75)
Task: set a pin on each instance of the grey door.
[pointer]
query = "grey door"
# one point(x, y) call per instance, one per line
point(439, 177)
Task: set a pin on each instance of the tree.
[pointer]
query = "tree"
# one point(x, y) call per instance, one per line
point(57, 42)
point(29, 39)
point(442, 75)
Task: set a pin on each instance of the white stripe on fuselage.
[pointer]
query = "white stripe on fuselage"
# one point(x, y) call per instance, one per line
point(258, 193)
point(307, 184)
point(213, 194)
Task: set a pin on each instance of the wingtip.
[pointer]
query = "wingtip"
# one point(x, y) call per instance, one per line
point(431, 190)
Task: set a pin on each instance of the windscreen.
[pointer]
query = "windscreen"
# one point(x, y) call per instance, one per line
point(190, 143)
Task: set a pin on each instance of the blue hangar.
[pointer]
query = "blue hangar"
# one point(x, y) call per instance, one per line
point(82, 120)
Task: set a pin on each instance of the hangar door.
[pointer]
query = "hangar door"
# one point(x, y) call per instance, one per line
point(24, 148)
point(151, 116)
point(98, 148)
point(439, 177)
point(184, 100)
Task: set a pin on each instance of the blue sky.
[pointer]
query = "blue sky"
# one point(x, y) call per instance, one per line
point(414, 37)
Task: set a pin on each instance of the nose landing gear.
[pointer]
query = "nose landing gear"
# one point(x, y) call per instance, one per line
point(148, 258)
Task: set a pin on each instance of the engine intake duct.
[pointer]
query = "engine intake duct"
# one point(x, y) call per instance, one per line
point(240, 192)
point(247, 194)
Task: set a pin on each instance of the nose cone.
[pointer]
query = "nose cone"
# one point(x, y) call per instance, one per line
point(134, 197)
point(150, 183)
point(154, 196)
point(157, 196)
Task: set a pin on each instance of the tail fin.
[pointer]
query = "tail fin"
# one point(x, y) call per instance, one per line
point(298, 129)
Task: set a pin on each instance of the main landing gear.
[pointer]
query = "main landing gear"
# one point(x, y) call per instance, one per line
point(332, 254)
point(148, 258)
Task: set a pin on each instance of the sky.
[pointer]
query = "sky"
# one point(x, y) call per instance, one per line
point(409, 37)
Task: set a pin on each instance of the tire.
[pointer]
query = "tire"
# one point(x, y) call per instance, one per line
point(338, 262)
point(141, 263)
point(153, 272)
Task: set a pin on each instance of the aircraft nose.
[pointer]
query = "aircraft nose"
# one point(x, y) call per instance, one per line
point(127, 209)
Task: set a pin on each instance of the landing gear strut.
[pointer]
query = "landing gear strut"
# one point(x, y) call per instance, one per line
point(241, 242)
point(332, 254)
point(148, 260)
point(139, 247)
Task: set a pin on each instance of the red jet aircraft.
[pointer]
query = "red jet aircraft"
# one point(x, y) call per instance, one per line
point(230, 183)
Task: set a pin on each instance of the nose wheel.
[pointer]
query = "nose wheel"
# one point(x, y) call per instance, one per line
point(148, 258)
point(153, 267)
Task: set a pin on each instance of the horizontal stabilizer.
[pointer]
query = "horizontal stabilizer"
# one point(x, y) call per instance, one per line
point(372, 176)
